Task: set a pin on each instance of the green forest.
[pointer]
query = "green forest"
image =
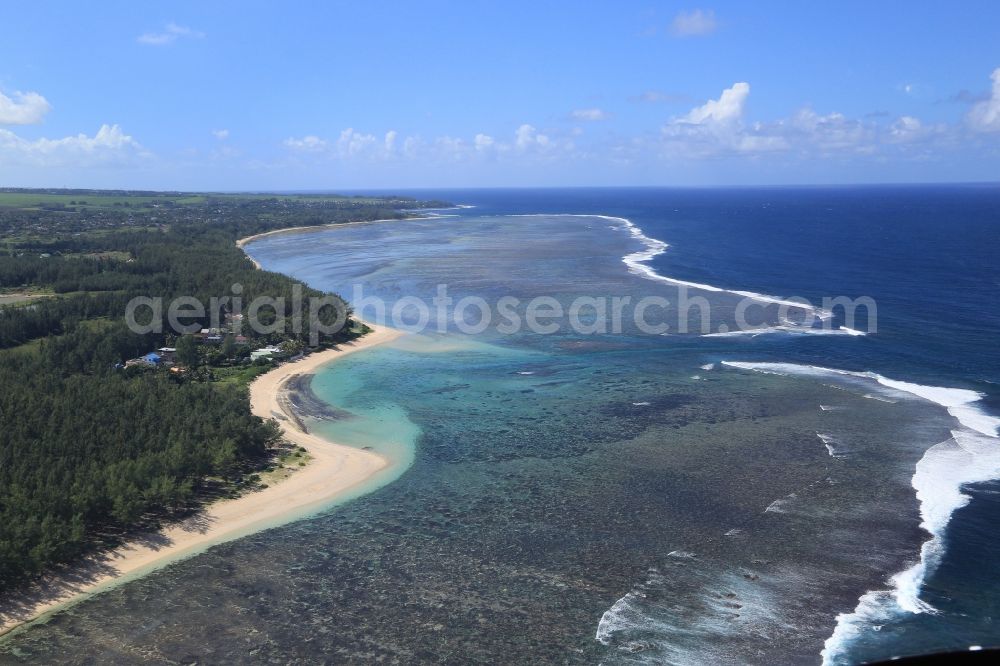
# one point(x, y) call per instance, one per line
point(89, 449)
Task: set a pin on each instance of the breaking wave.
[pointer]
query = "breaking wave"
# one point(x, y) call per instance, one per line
point(971, 455)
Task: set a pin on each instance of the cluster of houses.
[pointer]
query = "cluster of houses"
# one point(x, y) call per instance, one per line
point(214, 336)
point(166, 356)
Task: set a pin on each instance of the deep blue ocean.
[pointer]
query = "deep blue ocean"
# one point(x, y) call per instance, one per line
point(790, 495)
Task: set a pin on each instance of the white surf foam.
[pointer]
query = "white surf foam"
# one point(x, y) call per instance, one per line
point(623, 614)
point(828, 442)
point(972, 455)
point(637, 264)
point(708, 366)
point(968, 457)
point(780, 505)
point(455, 207)
point(787, 329)
point(960, 403)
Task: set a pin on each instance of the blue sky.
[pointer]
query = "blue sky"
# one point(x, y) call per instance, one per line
point(467, 94)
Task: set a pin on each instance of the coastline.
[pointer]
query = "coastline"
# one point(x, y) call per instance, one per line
point(334, 471)
point(242, 242)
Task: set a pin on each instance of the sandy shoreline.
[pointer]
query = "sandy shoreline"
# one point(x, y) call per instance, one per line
point(317, 227)
point(334, 471)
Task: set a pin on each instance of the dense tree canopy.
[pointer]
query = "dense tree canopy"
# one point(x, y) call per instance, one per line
point(89, 447)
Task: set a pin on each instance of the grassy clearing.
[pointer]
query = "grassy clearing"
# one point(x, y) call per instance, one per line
point(113, 255)
point(23, 296)
point(284, 465)
point(240, 375)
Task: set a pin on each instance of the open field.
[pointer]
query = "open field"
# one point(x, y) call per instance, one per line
point(37, 200)
point(146, 201)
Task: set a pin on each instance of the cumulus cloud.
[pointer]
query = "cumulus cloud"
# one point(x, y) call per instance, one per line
point(484, 142)
point(221, 134)
point(170, 34)
point(590, 115)
point(693, 23)
point(829, 132)
point(526, 143)
point(984, 116)
point(716, 127)
point(450, 148)
point(526, 137)
point(353, 143)
point(727, 109)
point(412, 146)
point(350, 144)
point(906, 127)
point(109, 145)
point(307, 144)
point(23, 108)
point(719, 127)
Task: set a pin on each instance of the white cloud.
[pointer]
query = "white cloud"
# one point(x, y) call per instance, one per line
point(307, 144)
point(693, 23)
point(829, 132)
point(718, 127)
point(355, 146)
point(484, 142)
point(110, 144)
point(353, 143)
point(412, 146)
point(590, 114)
point(450, 148)
point(23, 109)
point(170, 34)
point(984, 116)
point(728, 108)
point(221, 134)
point(527, 137)
point(906, 127)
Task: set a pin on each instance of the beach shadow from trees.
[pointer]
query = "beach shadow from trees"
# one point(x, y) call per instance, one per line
point(21, 604)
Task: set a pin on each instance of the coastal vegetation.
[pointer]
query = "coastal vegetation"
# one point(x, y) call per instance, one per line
point(94, 445)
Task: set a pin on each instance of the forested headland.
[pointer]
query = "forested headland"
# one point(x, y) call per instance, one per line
point(89, 448)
